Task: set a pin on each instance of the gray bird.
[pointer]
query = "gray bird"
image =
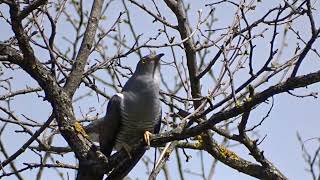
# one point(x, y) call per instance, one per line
point(134, 113)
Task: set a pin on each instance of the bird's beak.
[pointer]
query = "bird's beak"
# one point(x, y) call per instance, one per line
point(159, 55)
point(157, 60)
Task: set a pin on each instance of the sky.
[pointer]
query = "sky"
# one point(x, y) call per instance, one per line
point(289, 116)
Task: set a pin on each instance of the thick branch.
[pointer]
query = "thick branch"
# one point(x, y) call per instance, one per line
point(231, 159)
point(185, 32)
point(75, 76)
point(62, 106)
point(290, 84)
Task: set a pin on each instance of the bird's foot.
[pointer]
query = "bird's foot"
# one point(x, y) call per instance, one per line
point(147, 136)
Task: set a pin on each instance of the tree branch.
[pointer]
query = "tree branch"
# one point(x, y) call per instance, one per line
point(34, 5)
point(74, 79)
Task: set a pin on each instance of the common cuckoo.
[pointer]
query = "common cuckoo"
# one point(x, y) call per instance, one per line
point(134, 113)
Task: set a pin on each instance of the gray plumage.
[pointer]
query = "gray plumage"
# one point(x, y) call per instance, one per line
point(132, 112)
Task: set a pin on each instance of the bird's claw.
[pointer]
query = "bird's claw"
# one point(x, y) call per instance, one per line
point(146, 136)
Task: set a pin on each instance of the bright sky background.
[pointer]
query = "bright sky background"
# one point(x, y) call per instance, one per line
point(289, 116)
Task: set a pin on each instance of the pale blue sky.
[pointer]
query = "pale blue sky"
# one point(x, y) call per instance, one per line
point(289, 116)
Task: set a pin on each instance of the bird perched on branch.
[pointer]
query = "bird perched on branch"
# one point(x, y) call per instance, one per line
point(134, 113)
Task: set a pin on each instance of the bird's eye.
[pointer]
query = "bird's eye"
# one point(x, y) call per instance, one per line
point(143, 61)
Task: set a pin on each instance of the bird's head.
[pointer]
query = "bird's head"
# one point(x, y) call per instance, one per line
point(149, 64)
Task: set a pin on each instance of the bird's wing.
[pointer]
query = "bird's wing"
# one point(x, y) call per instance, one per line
point(111, 124)
point(158, 122)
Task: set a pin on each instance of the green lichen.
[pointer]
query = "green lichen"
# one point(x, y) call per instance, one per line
point(226, 153)
point(199, 144)
point(79, 129)
point(238, 104)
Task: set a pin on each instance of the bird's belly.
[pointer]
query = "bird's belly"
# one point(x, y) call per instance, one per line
point(130, 135)
point(135, 120)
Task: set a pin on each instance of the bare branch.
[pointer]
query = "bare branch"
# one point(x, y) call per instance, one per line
point(75, 76)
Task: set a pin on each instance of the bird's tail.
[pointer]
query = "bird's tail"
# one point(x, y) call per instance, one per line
point(85, 173)
point(125, 166)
